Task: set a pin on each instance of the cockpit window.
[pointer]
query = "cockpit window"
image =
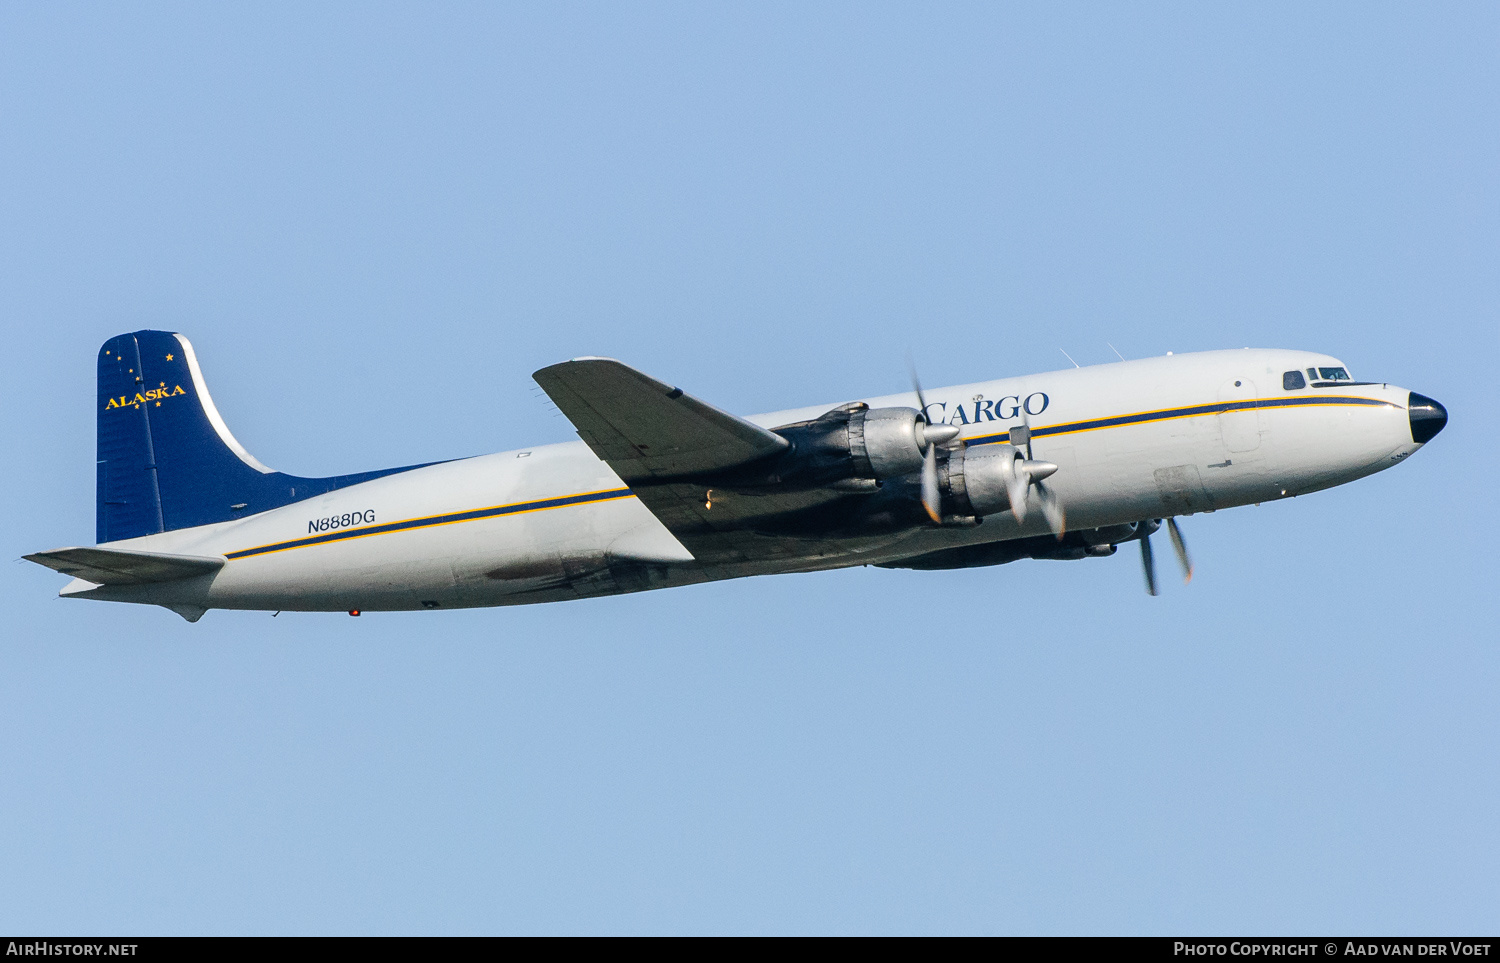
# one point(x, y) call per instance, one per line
point(1293, 380)
point(1333, 374)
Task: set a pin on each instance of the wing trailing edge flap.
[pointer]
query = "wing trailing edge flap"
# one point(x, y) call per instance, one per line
point(117, 566)
point(649, 431)
point(649, 543)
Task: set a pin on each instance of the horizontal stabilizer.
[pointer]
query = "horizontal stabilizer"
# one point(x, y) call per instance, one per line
point(114, 566)
point(649, 431)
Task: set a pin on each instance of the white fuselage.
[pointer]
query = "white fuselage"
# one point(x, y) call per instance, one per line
point(536, 524)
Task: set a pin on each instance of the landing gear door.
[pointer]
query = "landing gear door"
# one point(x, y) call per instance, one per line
point(1240, 425)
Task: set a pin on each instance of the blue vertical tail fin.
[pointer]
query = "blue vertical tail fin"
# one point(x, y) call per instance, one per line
point(166, 458)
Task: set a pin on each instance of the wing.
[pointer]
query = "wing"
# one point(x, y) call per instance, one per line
point(668, 446)
point(649, 431)
point(114, 566)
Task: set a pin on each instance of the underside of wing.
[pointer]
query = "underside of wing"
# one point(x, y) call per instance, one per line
point(726, 526)
point(113, 566)
point(649, 431)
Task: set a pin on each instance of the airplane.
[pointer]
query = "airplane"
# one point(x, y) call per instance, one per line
point(666, 490)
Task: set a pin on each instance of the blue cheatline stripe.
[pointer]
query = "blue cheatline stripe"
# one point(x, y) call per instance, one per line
point(1069, 428)
point(1193, 411)
point(430, 521)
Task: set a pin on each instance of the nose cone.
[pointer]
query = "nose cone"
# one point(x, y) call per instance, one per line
point(1427, 417)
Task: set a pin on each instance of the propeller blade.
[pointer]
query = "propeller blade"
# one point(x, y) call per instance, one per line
point(1052, 510)
point(1016, 482)
point(1148, 564)
point(1180, 547)
point(1026, 421)
point(916, 385)
point(930, 498)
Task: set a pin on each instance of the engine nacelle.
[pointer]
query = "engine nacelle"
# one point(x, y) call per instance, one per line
point(859, 442)
point(975, 479)
point(887, 442)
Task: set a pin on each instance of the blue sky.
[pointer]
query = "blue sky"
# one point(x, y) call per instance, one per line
point(374, 221)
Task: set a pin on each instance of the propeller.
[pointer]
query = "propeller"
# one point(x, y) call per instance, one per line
point(1148, 565)
point(1148, 559)
point(1052, 510)
point(931, 498)
point(929, 437)
point(1180, 547)
point(1022, 474)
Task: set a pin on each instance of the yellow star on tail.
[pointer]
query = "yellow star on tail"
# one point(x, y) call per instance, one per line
point(169, 357)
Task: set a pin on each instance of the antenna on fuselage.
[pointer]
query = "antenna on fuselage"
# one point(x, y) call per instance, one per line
point(1116, 351)
point(1070, 358)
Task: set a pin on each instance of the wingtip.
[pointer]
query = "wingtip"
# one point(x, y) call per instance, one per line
point(563, 365)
